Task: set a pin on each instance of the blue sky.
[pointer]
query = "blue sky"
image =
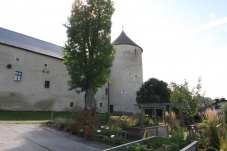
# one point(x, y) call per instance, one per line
point(181, 39)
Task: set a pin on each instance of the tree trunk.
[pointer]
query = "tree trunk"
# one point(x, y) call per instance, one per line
point(89, 99)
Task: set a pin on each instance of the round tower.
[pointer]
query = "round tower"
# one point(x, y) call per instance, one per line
point(126, 75)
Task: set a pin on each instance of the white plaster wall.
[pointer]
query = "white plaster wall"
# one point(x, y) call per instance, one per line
point(30, 94)
point(126, 65)
point(102, 97)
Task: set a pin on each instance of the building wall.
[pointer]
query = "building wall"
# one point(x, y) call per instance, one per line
point(30, 94)
point(127, 76)
point(217, 106)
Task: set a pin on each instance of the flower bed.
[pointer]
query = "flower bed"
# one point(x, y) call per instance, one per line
point(156, 144)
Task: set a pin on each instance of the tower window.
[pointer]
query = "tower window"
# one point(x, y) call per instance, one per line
point(47, 84)
point(45, 65)
point(136, 76)
point(123, 92)
point(17, 76)
point(17, 59)
point(100, 104)
point(71, 104)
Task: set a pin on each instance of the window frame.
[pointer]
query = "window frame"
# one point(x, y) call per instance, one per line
point(17, 76)
point(123, 92)
point(47, 84)
point(17, 59)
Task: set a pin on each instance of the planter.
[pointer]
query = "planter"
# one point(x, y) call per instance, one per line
point(138, 133)
point(193, 146)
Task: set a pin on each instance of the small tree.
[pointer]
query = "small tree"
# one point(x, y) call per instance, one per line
point(224, 110)
point(182, 94)
point(88, 52)
point(153, 91)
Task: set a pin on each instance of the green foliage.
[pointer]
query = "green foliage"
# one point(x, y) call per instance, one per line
point(224, 110)
point(211, 132)
point(88, 52)
point(81, 122)
point(104, 117)
point(153, 91)
point(192, 98)
point(140, 147)
point(173, 147)
point(192, 136)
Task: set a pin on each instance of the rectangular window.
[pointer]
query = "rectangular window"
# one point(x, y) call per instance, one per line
point(47, 84)
point(17, 76)
point(123, 92)
point(71, 104)
point(100, 104)
point(45, 65)
point(136, 76)
point(217, 107)
point(17, 59)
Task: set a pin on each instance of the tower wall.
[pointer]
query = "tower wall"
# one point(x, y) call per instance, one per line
point(126, 78)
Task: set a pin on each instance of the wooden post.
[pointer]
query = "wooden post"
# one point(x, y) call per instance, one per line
point(182, 114)
point(181, 118)
point(155, 117)
point(164, 114)
point(171, 119)
point(142, 118)
point(142, 122)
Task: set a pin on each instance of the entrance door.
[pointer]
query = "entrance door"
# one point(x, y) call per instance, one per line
point(111, 108)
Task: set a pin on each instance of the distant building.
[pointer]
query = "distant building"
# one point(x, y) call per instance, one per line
point(218, 104)
point(33, 77)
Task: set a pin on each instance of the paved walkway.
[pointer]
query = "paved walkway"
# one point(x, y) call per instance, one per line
point(36, 137)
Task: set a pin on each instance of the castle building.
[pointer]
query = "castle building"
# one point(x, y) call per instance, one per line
point(33, 77)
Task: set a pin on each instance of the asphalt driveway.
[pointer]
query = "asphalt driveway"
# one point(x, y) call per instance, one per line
point(36, 137)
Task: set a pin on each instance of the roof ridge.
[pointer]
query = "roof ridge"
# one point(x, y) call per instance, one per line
point(29, 36)
point(19, 40)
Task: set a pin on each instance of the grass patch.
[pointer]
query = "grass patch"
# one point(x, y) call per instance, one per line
point(31, 115)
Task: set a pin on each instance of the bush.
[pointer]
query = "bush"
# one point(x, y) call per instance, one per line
point(173, 147)
point(60, 123)
point(210, 133)
point(224, 110)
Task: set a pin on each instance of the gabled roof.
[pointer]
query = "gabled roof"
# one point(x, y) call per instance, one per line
point(18, 40)
point(124, 39)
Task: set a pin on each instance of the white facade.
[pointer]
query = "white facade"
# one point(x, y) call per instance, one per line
point(127, 77)
point(34, 79)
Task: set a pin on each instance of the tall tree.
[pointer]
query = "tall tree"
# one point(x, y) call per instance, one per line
point(153, 91)
point(180, 93)
point(88, 52)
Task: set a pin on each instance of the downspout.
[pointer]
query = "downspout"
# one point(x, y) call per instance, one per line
point(108, 97)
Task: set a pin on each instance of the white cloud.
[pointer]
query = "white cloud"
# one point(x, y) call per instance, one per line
point(210, 25)
point(212, 16)
point(198, 17)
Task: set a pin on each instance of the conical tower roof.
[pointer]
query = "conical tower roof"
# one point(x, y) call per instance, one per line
point(124, 39)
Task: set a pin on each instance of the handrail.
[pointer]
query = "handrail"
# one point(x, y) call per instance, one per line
point(127, 144)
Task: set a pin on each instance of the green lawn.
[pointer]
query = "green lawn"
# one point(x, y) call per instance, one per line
point(30, 115)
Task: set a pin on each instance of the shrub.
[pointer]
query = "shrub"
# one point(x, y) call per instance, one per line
point(60, 123)
point(89, 123)
point(210, 133)
point(174, 119)
point(224, 110)
point(173, 147)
